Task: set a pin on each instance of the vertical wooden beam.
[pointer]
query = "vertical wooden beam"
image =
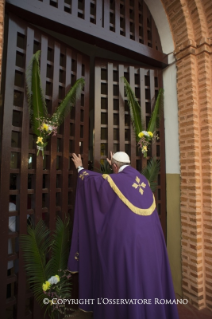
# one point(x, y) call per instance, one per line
point(136, 20)
point(53, 146)
point(65, 141)
point(107, 14)
point(99, 13)
point(132, 135)
point(87, 11)
point(5, 161)
point(127, 18)
point(142, 73)
point(74, 7)
point(60, 4)
point(145, 23)
point(152, 98)
point(97, 115)
point(86, 62)
point(121, 110)
point(117, 17)
point(21, 294)
point(110, 106)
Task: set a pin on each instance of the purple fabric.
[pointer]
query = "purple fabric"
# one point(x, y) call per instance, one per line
point(122, 255)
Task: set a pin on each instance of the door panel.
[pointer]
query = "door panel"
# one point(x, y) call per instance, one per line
point(112, 125)
point(40, 187)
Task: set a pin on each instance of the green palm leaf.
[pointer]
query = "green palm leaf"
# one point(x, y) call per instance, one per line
point(59, 248)
point(65, 107)
point(36, 99)
point(135, 109)
point(35, 247)
point(151, 173)
point(153, 122)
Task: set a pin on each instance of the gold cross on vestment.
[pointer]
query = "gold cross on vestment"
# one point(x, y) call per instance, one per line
point(83, 175)
point(138, 185)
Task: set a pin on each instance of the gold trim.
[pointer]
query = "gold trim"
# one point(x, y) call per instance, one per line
point(134, 209)
point(73, 272)
point(84, 310)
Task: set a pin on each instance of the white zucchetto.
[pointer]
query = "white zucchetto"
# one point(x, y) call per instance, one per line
point(121, 157)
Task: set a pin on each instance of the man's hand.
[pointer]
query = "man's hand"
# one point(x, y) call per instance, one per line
point(77, 160)
point(109, 160)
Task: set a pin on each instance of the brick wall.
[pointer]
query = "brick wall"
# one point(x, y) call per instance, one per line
point(191, 26)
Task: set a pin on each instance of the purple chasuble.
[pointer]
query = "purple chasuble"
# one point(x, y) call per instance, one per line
point(118, 248)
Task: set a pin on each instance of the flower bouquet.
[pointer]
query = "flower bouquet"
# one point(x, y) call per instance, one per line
point(144, 137)
point(46, 260)
point(44, 125)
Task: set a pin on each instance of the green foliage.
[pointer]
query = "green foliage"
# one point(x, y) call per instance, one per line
point(42, 124)
point(106, 168)
point(65, 106)
point(38, 245)
point(35, 246)
point(154, 122)
point(35, 95)
point(135, 109)
point(151, 172)
point(59, 248)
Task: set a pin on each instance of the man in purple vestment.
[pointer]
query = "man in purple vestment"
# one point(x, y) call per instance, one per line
point(118, 246)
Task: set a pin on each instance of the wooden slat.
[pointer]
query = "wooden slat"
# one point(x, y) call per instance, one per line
point(53, 149)
point(144, 23)
point(132, 136)
point(152, 98)
point(74, 7)
point(136, 20)
point(5, 161)
point(117, 17)
point(87, 11)
point(107, 14)
point(110, 107)
point(121, 109)
point(24, 185)
point(99, 16)
point(86, 112)
point(127, 17)
point(97, 119)
point(142, 74)
point(65, 158)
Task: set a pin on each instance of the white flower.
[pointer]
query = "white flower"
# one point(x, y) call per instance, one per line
point(145, 133)
point(53, 280)
point(50, 128)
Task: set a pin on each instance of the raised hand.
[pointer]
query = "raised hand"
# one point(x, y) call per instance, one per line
point(77, 160)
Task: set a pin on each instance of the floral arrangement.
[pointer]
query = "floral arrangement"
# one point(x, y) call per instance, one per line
point(44, 125)
point(145, 140)
point(144, 137)
point(46, 256)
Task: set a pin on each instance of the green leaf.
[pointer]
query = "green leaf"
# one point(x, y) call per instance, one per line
point(153, 122)
point(151, 172)
point(59, 248)
point(35, 246)
point(135, 109)
point(65, 107)
point(35, 95)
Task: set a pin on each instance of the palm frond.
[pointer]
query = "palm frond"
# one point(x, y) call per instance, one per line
point(151, 172)
point(35, 246)
point(135, 109)
point(35, 95)
point(153, 122)
point(105, 168)
point(65, 107)
point(59, 248)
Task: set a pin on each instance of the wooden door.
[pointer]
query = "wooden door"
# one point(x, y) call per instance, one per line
point(39, 187)
point(112, 126)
